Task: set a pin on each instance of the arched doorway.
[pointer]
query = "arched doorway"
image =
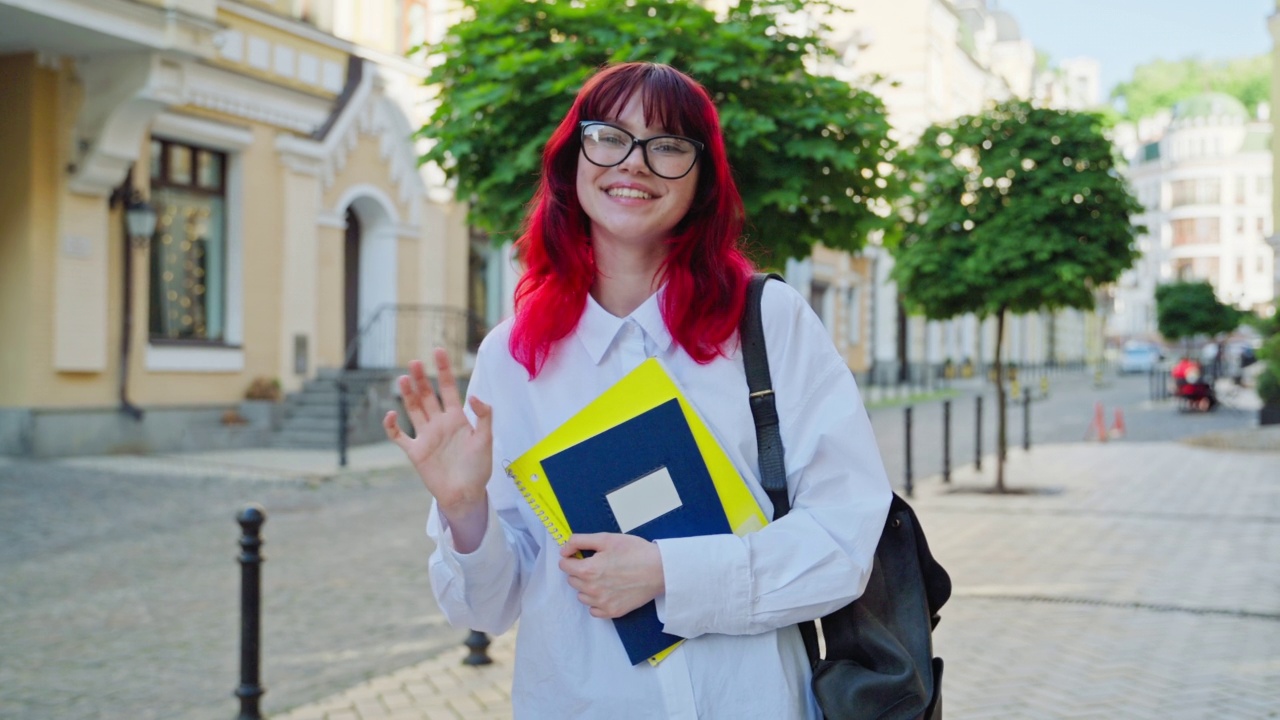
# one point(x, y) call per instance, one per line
point(368, 279)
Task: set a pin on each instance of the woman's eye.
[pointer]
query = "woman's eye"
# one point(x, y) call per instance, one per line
point(671, 147)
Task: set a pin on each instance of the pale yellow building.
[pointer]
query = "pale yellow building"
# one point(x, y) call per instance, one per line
point(274, 141)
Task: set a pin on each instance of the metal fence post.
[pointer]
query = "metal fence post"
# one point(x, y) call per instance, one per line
point(342, 419)
point(946, 441)
point(977, 446)
point(907, 416)
point(1026, 422)
point(250, 690)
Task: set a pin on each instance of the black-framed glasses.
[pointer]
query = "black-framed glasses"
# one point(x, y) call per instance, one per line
point(667, 156)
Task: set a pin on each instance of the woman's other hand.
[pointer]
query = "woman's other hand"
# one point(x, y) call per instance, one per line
point(624, 572)
point(453, 458)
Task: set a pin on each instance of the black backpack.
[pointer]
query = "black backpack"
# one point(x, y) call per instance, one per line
point(879, 648)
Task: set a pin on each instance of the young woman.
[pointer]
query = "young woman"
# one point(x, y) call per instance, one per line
point(631, 251)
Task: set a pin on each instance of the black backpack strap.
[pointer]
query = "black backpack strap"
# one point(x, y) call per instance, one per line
point(764, 409)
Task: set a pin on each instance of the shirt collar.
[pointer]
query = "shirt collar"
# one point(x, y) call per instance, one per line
point(598, 328)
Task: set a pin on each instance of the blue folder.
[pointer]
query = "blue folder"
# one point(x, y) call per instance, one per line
point(584, 475)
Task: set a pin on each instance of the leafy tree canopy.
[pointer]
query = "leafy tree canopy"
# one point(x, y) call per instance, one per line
point(1187, 309)
point(1018, 208)
point(1161, 84)
point(808, 152)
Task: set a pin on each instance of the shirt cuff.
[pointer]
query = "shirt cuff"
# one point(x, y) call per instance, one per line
point(488, 555)
point(708, 585)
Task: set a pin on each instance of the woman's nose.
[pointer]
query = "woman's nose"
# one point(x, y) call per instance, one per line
point(634, 161)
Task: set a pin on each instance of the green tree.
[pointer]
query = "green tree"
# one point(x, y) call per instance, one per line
point(808, 151)
point(1161, 84)
point(1187, 309)
point(1017, 209)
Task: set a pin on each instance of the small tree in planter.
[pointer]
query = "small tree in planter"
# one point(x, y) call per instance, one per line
point(1269, 382)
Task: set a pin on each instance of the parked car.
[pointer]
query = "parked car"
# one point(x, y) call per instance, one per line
point(1139, 358)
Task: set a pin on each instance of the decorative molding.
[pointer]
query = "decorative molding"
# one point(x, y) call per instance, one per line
point(199, 131)
point(122, 95)
point(252, 99)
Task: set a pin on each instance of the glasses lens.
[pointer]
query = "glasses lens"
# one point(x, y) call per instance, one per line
point(605, 145)
point(671, 156)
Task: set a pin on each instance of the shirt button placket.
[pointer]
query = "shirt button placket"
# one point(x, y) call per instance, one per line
point(632, 346)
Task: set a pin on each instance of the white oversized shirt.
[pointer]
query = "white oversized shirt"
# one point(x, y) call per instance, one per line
point(736, 599)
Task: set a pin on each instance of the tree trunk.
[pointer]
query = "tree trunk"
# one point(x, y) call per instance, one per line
point(1001, 443)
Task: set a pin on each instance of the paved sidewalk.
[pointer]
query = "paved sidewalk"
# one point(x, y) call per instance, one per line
point(278, 464)
point(1134, 580)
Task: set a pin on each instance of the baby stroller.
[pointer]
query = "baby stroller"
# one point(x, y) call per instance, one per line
point(1192, 388)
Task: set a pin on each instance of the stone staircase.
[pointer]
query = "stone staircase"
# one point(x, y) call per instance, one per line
point(310, 418)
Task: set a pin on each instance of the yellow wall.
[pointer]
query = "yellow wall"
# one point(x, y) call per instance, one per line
point(327, 346)
point(16, 250)
point(30, 251)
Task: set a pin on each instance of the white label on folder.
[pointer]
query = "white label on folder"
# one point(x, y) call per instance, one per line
point(645, 499)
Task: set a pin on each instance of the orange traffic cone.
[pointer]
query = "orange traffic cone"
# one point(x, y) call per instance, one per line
point(1098, 427)
point(1117, 429)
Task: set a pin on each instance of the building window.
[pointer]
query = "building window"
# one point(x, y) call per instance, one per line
point(1196, 191)
point(1195, 231)
point(479, 314)
point(855, 316)
point(818, 292)
point(189, 249)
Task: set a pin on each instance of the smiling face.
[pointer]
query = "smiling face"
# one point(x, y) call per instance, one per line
point(627, 203)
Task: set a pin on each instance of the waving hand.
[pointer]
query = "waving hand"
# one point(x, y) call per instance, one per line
point(453, 458)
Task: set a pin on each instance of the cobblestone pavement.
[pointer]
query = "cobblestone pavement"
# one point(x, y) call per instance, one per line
point(120, 591)
point(1126, 580)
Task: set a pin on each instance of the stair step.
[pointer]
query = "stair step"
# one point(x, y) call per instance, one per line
point(312, 424)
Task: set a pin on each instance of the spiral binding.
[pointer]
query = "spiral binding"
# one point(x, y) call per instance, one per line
point(556, 533)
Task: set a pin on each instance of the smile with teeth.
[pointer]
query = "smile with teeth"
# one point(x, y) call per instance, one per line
point(628, 193)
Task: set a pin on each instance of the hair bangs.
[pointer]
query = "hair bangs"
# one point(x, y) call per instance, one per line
point(665, 97)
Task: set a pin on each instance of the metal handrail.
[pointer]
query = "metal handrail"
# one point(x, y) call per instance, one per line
point(397, 333)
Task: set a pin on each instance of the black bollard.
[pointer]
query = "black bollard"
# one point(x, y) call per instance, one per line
point(946, 441)
point(251, 519)
point(478, 649)
point(1026, 422)
point(907, 416)
point(977, 443)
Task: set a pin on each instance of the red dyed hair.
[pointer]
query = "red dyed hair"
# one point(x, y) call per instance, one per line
point(705, 272)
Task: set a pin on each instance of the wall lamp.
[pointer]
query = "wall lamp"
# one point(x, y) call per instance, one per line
point(139, 216)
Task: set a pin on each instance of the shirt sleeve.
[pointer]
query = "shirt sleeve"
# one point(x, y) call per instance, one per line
point(818, 557)
point(481, 590)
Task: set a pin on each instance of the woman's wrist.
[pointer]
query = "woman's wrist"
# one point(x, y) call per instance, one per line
point(467, 522)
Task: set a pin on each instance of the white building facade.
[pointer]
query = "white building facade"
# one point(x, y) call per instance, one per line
point(1205, 181)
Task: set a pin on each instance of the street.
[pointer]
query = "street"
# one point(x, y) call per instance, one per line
point(121, 593)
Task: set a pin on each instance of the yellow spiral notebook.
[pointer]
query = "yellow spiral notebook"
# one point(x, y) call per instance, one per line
point(641, 392)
